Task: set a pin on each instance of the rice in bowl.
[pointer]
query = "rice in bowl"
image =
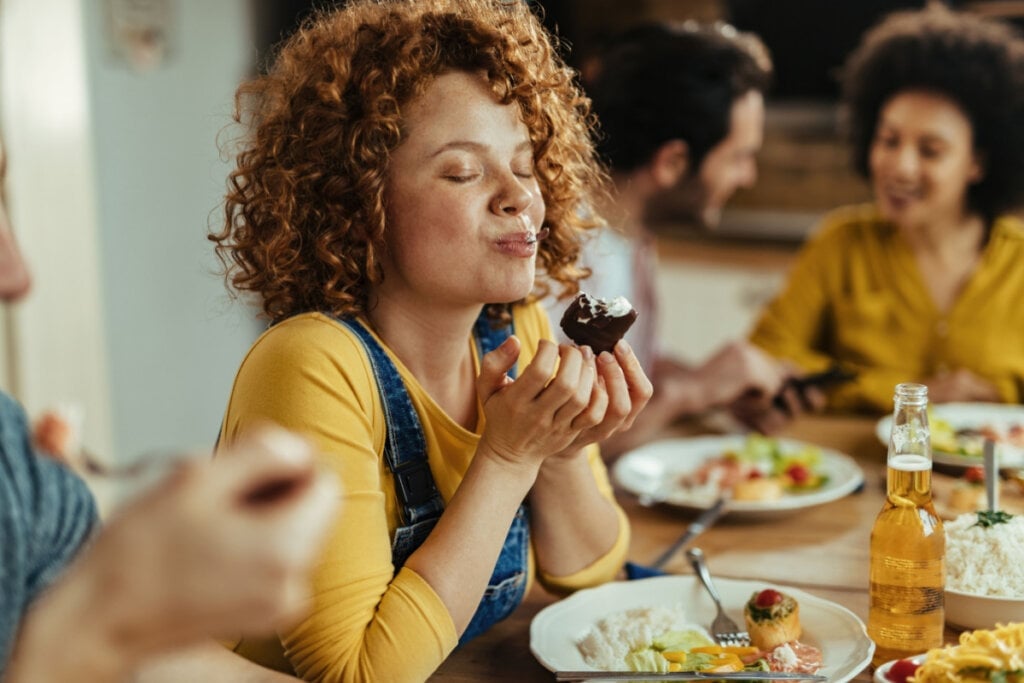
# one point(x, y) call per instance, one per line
point(985, 560)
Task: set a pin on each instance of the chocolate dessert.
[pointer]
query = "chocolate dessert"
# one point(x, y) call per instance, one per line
point(598, 323)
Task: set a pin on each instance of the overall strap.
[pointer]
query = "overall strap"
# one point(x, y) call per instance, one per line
point(405, 449)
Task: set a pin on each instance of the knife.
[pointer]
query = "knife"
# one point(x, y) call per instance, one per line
point(697, 527)
point(685, 676)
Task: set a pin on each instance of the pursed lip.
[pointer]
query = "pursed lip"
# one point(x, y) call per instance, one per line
point(521, 244)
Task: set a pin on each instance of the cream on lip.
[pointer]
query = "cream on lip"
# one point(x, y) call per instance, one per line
point(523, 242)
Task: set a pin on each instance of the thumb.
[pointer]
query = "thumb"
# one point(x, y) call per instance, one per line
point(494, 366)
point(269, 467)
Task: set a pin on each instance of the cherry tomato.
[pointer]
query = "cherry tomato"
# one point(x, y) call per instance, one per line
point(754, 474)
point(975, 475)
point(768, 597)
point(901, 670)
point(798, 473)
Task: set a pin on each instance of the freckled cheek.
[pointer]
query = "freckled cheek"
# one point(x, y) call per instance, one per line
point(537, 208)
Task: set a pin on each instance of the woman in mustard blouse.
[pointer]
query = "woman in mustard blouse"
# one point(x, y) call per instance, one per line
point(411, 168)
point(926, 283)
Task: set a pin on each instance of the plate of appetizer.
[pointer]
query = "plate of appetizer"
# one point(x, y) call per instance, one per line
point(660, 624)
point(763, 475)
point(959, 431)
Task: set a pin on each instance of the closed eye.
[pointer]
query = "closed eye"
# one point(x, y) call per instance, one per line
point(461, 178)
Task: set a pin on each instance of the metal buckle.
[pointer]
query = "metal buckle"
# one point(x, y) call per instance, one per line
point(415, 483)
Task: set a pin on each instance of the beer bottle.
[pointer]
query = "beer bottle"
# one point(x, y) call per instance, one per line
point(908, 544)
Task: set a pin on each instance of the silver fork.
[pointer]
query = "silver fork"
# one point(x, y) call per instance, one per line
point(724, 630)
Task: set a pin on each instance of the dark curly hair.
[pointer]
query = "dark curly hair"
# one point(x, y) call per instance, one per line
point(657, 82)
point(305, 209)
point(977, 63)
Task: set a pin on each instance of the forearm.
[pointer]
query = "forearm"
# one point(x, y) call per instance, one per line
point(573, 522)
point(459, 555)
point(207, 661)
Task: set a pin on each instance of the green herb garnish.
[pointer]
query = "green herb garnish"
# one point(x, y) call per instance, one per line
point(987, 518)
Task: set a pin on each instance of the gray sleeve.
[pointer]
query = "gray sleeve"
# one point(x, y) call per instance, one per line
point(46, 514)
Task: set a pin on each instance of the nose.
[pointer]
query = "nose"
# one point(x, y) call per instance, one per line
point(905, 160)
point(512, 198)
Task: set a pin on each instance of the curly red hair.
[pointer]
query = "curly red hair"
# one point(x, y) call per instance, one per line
point(305, 210)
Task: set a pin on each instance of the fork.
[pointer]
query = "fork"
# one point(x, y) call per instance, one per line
point(724, 630)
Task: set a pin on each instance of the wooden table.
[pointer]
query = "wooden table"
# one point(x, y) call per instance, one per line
point(823, 551)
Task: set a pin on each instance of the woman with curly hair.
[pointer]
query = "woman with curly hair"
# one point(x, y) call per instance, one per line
point(412, 173)
point(925, 283)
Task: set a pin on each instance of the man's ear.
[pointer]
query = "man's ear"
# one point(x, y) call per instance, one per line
point(670, 163)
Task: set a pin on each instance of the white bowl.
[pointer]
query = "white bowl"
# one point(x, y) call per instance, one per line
point(883, 669)
point(969, 611)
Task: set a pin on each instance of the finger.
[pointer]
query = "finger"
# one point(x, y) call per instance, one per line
point(814, 399)
point(619, 401)
point(596, 408)
point(564, 386)
point(494, 367)
point(533, 380)
point(582, 398)
point(274, 468)
point(639, 385)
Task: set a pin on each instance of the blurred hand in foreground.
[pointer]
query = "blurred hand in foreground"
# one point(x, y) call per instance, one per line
point(222, 547)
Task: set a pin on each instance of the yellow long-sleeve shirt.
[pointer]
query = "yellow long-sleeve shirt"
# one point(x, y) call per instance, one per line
point(855, 295)
point(368, 623)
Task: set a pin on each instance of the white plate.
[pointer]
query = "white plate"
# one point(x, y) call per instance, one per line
point(970, 415)
point(881, 673)
point(652, 470)
point(845, 647)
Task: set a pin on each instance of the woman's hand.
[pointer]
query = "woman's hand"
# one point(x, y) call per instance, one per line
point(563, 400)
point(960, 385)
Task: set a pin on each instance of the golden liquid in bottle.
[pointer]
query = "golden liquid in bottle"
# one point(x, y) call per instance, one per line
point(908, 544)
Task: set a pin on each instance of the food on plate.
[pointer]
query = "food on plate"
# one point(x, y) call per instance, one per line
point(970, 441)
point(773, 618)
point(760, 470)
point(957, 495)
point(596, 322)
point(659, 639)
point(902, 670)
point(758, 488)
point(619, 640)
point(968, 493)
point(985, 554)
point(981, 655)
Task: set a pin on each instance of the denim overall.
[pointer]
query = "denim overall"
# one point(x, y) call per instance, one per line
point(405, 452)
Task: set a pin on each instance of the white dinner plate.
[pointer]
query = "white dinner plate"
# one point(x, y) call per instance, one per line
point(652, 471)
point(999, 416)
point(835, 630)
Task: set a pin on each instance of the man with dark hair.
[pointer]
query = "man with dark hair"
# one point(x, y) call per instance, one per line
point(680, 108)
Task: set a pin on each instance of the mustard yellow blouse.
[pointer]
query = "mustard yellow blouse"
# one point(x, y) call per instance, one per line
point(855, 295)
point(369, 623)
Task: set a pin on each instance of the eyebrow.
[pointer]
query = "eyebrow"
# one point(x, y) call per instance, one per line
point(469, 145)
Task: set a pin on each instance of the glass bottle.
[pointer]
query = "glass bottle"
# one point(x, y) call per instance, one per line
point(908, 544)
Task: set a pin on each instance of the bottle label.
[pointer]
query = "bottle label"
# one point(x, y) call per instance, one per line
point(907, 600)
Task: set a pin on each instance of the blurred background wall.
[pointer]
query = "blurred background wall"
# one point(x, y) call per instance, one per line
point(114, 178)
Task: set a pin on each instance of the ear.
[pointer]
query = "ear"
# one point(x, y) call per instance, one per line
point(977, 171)
point(670, 163)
